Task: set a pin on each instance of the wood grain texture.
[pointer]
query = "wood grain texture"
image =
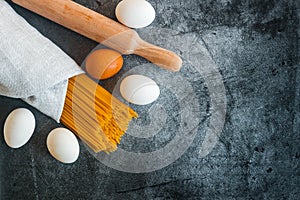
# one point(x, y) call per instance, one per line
point(101, 29)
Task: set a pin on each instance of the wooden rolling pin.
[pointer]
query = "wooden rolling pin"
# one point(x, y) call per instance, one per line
point(101, 29)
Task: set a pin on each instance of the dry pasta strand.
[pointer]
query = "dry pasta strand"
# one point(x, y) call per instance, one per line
point(94, 115)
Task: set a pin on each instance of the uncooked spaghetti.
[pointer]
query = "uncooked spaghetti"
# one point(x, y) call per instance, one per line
point(94, 115)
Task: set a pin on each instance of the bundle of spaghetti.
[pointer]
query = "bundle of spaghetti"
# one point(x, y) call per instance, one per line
point(94, 115)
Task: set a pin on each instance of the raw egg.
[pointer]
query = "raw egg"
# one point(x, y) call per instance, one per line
point(135, 13)
point(103, 63)
point(63, 145)
point(139, 89)
point(19, 127)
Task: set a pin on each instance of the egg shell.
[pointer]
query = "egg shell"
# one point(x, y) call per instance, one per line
point(63, 145)
point(135, 13)
point(103, 63)
point(18, 127)
point(139, 89)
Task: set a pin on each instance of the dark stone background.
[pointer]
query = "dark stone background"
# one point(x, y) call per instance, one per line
point(256, 47)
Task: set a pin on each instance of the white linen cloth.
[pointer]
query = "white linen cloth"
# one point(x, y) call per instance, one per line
point(31, 66)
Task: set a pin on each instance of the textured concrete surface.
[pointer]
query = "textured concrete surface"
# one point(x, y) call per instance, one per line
point(255, 45)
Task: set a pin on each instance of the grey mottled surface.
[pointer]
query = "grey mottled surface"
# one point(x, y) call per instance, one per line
point(255, 45)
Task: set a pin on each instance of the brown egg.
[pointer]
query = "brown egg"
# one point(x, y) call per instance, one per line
point(103, 63)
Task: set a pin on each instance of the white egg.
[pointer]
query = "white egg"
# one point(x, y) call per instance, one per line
point(139, 89)
point(135, 13)
point(63, 145)
point(18, 127)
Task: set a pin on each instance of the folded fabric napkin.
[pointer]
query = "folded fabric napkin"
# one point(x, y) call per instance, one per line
point(31, 66)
